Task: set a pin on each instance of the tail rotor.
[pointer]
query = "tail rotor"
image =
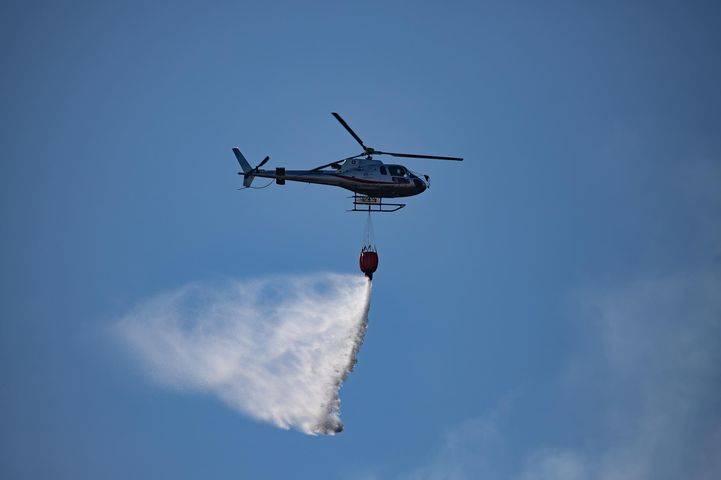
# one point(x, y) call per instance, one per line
point(248, 172)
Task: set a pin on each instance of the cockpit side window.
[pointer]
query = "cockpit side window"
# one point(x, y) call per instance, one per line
point(397, 170)
point(383, 170)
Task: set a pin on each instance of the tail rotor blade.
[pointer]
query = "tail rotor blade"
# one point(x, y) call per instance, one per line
point(265, 160)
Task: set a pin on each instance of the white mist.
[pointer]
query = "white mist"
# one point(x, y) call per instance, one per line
point(276, 349)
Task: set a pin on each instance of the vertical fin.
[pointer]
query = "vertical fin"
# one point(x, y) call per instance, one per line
point(242, 161)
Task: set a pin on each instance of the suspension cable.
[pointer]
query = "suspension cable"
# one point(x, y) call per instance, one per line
point(368, 234)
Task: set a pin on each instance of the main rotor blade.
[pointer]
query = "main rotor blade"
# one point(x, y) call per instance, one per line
point(413, 155)
point(350, 130)
point(324, 166)
point(336, 162)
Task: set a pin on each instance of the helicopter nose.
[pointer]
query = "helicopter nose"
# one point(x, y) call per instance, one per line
point(420, 184)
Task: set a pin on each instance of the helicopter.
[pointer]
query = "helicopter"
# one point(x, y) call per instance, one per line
point(370, 180)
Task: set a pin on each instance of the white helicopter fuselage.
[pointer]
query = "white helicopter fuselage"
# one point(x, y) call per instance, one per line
point(365, 176)
point(371, 180)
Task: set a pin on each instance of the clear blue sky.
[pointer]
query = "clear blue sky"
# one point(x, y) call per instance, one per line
point(534, 311)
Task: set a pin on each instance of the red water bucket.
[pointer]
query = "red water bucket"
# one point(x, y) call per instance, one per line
point(368, 262)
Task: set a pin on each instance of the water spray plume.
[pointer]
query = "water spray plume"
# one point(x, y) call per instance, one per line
point(276, 349)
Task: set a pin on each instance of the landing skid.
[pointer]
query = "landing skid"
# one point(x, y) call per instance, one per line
point(364, 203)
